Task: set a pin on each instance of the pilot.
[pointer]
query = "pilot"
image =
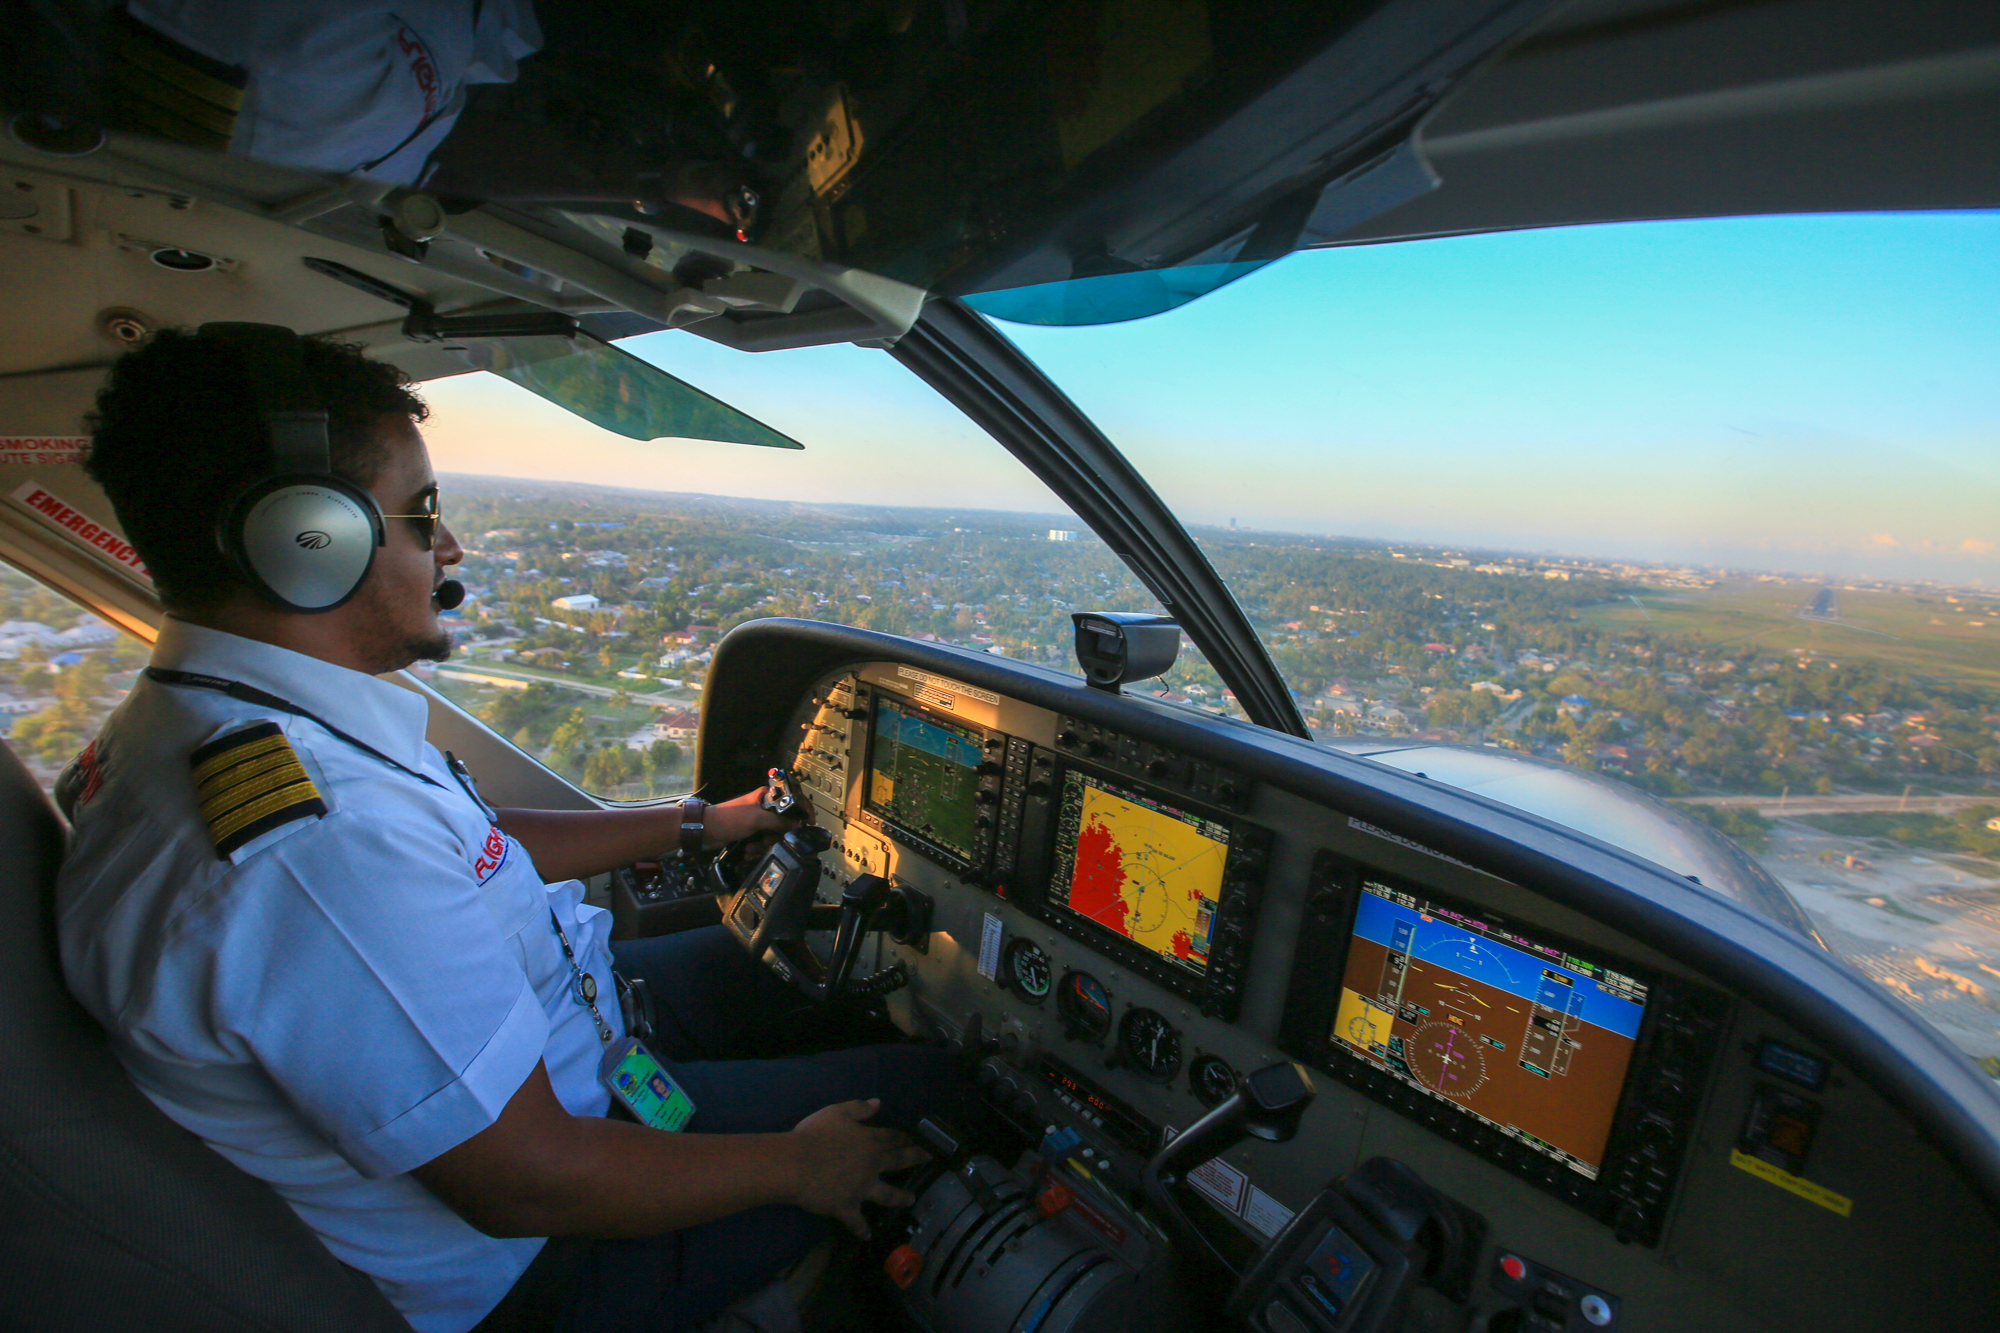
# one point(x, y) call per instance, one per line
point(318, 949)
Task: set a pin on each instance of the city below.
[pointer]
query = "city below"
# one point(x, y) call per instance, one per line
point(1845, 731)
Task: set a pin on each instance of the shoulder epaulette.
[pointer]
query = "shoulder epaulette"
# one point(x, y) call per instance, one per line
point(250, 782)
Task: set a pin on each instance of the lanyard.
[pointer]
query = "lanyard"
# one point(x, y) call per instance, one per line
point(586, 984)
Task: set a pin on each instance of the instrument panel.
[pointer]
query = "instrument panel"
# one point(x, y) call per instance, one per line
point(1543, 1055)
point(1126, 931)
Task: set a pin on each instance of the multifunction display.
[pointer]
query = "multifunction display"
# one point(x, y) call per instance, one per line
point(923, 777)
point(1137, 867)
point(1514, 1031)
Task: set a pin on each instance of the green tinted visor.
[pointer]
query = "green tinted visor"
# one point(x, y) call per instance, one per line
point(610, 387)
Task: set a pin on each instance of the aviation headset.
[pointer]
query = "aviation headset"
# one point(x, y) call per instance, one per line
point(303, 536)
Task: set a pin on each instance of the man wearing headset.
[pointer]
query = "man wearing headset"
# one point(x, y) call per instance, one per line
point(317, 948)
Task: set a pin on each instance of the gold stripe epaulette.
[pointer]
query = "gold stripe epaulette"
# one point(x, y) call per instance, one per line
point(161, 88)
point(250, 782)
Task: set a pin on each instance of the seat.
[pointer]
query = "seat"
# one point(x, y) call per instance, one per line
point(111, 1215)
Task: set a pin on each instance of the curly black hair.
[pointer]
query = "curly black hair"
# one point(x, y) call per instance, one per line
point(178, 431)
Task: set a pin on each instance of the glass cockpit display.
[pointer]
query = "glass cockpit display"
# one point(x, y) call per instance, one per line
point(1138, 868)
point(923, 777)
point(1511, 1030)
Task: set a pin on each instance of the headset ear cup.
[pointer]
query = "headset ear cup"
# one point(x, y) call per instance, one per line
point(306, 542)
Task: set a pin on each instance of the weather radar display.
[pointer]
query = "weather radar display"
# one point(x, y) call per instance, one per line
point(1511, 1030)
point(923, 777)
point(1139, 869)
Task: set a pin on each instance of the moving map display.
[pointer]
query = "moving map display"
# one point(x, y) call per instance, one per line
point(1513, 1031)
point(923, 776)
point(1138, 868)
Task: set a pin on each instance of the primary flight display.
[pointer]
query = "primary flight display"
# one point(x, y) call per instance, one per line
point(1139, 868)
point(1515, 1031)
point(923, 776)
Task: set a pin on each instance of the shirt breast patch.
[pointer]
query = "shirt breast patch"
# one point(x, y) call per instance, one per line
point(492, 854)
point(250, 782)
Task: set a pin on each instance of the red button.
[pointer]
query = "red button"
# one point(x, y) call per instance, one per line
point(903, 1265)
point(1512, 1266)
point(1055, 1197)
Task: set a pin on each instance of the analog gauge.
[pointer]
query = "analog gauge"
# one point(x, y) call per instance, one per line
point(1027, 971)
point(1151, 1043)
point(1211, 1080)
point(1085, 1006)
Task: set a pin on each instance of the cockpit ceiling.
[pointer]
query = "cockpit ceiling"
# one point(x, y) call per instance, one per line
point(956, 146)
point(1618, 111)
point(970, 146)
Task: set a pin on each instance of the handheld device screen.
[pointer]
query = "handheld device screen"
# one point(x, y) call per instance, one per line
point(645, 1089)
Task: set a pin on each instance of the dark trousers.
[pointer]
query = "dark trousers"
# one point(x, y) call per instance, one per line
point(715, 1009)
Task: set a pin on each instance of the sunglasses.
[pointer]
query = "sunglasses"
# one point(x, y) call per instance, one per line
point(426, 523)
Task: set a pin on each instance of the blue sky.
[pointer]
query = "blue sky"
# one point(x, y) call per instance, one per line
point(1784, 393)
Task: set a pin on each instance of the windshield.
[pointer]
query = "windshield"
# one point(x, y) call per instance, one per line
point(1703, 509)
point(601, 571)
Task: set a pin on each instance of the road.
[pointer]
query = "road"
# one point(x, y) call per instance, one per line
point(1846, 805)
point(596, 691)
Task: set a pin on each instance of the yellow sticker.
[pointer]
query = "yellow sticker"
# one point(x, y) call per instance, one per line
point(1805, 1189)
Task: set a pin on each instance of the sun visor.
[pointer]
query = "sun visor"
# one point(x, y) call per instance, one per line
point(609, 387)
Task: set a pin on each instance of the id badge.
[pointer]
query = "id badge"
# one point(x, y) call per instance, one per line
point(642, 1086)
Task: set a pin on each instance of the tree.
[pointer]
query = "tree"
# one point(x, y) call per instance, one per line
point(65, 726)
point(1462, 708)
point(608, 767)
point(662, 757)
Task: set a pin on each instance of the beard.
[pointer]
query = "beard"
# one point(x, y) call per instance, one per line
point(434, 647)
point(398, 634)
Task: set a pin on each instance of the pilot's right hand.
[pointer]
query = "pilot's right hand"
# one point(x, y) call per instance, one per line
point(841, 1161)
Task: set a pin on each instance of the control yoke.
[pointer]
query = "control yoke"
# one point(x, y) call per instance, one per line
point(1351, 1259)
point(777, 905)
point(1268, 1105)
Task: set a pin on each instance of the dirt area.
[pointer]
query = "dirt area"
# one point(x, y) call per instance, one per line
point(1778, 807)
point(1924, 924)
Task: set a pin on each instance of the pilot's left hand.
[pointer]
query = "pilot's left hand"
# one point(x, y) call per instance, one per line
point(745, 817)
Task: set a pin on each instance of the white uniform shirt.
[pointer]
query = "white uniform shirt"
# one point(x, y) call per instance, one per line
point(368, 88)
point(344, 997)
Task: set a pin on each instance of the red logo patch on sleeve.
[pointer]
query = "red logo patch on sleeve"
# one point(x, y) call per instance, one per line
point(492, 854)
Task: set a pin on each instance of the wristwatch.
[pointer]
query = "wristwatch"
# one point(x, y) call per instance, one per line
point(693, 811)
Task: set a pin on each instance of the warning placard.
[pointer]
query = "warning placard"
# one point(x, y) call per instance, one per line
point(28, 450)
point(66, 518)
point(1221, 1182)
